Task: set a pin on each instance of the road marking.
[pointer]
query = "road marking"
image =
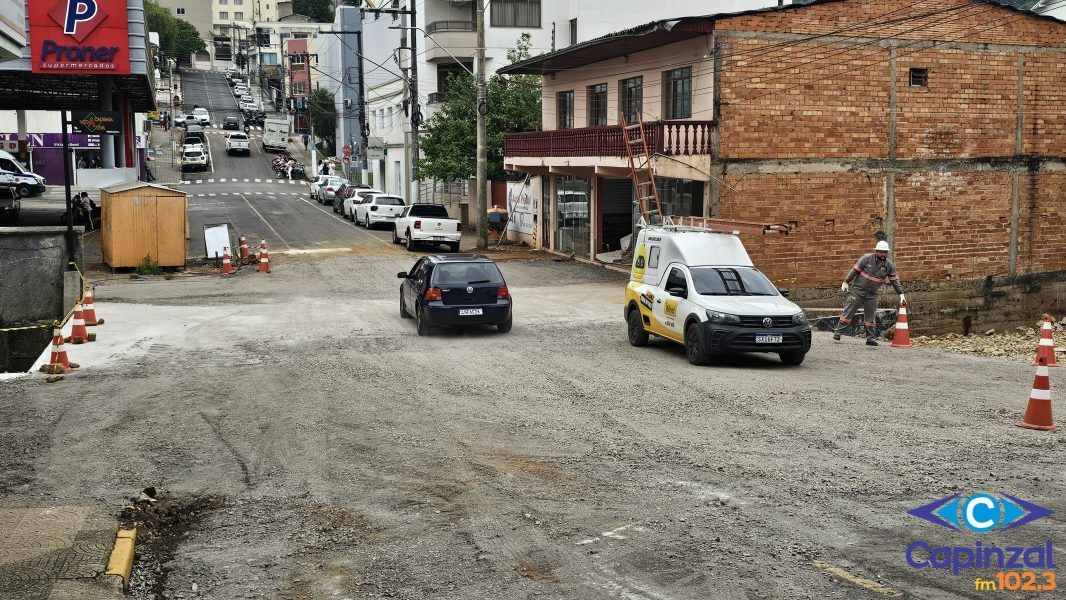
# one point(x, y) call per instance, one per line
point(210, 156)
point(265, 221)
point(199, 181)
point(211, 195)
point(246, 181)
point(200, 195)
point(869, 584)
point(257, 180)
point(366, 233)
point(211, 181)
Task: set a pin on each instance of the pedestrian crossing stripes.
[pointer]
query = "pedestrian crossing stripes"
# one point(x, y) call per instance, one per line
point(216, 126)
point(239, 180)
point(250, 194)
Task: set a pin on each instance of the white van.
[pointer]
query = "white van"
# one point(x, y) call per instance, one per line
point(275, 134)
point(698, 288)
point(13, 173)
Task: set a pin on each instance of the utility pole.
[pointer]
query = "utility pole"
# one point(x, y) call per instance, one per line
point(482, 108)
point(416, 110)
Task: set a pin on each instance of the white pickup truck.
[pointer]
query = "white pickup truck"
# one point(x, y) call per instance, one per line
point(238, 142)
point(427, 224)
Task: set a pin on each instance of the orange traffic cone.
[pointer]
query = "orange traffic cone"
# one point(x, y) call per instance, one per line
point(78, 334)
point(88, 311)
point(1046, 349)
point(227, 266)
point(902, 337)
point(58, 363)
point(264, 258)
point(1038, 410)
point(244, 247)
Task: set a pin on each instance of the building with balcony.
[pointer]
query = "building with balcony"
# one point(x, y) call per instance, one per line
point(13, 30)
point(850, 121)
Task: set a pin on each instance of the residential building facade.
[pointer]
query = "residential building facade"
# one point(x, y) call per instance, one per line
point(942, 132)
point(12, 28)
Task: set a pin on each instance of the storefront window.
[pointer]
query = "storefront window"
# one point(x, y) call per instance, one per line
point(572, 207)
point(680, 197)
point(88, 159)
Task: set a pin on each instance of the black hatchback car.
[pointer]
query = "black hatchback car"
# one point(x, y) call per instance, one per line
point(455, 289)
point(231, 123)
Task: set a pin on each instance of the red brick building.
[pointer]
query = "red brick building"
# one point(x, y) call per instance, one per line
point(937, 125)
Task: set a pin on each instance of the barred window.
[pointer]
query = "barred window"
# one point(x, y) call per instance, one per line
point(515, 13)
point(597, 104)
point(564, 102)
point(677, 93)
point(631, 97)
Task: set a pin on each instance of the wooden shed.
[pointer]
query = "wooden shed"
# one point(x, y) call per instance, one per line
point(141, 220)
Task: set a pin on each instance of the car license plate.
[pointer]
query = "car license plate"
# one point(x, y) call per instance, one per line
point(437, 238)
point(470, 312)
point(768, 338)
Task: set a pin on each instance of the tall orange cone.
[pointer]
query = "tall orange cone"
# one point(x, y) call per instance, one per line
point(902, 337)
point(227, 266)
point(1046, 349)
point(58, 363)
point(88, 311)
point(264, 257)
point(78, 333)
point(244, 247)
point(1038, 410)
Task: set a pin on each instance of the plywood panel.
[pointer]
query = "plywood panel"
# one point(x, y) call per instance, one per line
point(144, 222)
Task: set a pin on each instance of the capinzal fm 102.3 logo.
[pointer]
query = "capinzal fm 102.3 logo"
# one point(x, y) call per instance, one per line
point(1026, 568)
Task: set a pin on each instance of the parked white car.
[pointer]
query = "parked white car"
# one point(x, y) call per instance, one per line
point(427, 224)
point(238, 143)
point(192, 143)
point(183, 120)
point(239, 90)
point(314, 186)
point(249, 106)
point(327, 190)
point(194, 159)
point(356, 198)
point(202, 115)
point(379, 208)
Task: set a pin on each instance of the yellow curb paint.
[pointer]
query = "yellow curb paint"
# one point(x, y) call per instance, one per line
point(121, 561)
point(862, 582)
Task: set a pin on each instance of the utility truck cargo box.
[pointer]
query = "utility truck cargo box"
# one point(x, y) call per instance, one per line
point(275, 135)
point(699, 288)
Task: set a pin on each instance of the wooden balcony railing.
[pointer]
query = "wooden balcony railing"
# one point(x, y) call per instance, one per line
point(671, 138)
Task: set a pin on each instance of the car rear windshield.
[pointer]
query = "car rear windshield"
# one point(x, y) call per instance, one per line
point(466, 273)
point(429, 210)
point(389, 201)
point(193, 154)
point(192, 140)
point(731, 281)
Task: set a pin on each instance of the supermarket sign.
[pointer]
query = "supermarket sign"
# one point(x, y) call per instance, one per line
point(80, 36)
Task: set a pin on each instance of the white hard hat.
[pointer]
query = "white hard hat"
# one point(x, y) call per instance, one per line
point(882, 245)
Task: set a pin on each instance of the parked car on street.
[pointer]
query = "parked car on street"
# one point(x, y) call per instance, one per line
point(26, 183)
point(196, 131)
point(193, 143)
point(313, 190)
point(231, 123)
point(379, 208)
point(239, 90)
point(183, 120)
point(357, 196)
point(427, 224)
point(455, 289)
point(237, 143)
point(327, 190)
point(194, 160)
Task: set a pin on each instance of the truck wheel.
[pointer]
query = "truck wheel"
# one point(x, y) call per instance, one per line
point(635, 324)
point(410, 242)
point(694, 345)
point(792, 358)
point(454, 247)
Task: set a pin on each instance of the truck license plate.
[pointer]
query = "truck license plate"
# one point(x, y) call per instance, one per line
point(768, 338)
point(470, 312)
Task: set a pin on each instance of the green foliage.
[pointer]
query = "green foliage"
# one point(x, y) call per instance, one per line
point(148, 267)
point(177, 38)
point(320, 11)
point(450, 142)
point(323, 109)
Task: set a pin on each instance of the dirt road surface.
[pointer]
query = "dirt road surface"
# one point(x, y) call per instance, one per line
point(307, 444)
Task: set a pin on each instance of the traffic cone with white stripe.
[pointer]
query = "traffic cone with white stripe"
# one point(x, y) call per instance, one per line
point(88, 311)
point(1038, 410)
point(244, 247)
point(78, 333)
point(902, 336)
point(227, 266)
point(58, 363)
point(1046, 349)
point(264, 257)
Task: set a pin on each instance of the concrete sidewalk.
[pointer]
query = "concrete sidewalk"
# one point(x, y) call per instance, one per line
point(56, 553)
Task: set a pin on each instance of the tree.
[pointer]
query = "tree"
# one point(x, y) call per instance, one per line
point(450, 142)
point(320, 11)
point(323, 110)
point(177, 38)
point(186, 39)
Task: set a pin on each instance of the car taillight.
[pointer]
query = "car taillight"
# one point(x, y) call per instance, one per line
point(432, 294)
point(329, 189)
point(458, 226)
point(503, 293)
point(418, 224)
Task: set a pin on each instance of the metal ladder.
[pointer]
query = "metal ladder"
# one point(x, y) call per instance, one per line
point(636, 143)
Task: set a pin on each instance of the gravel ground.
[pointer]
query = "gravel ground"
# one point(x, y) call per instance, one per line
point(307, 444)
point(1019, 345)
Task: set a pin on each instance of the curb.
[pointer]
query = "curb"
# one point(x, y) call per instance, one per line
point(121, 561)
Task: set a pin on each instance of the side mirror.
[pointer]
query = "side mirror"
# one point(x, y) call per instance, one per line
point(680, 292)
point(784, 292)
point(401, 275)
